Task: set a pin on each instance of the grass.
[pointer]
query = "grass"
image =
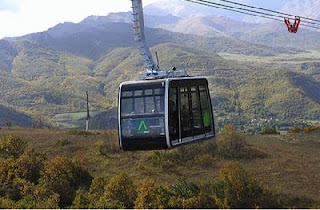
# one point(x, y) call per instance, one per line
point(292, 166)
point(73, 120)
point(290, 163)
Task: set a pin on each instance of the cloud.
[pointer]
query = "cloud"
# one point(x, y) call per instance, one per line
point(9, 5)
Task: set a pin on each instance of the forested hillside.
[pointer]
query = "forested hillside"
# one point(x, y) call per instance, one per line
point(45, 75)
point(10, 117)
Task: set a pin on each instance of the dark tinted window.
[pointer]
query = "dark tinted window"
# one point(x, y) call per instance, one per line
point(206, 107)
point(127, 94)
point(142, 101)
point(185, 117)
point(142, 112)
point(196, 108)
point(150, 105)
point(138, 93)
point(139, 106)
point(127, 106)
point(173, 114)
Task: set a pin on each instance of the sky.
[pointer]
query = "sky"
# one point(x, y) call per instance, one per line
point(20, 17)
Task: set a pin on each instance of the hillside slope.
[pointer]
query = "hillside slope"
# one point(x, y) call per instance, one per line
point(47, 74)
point(10, 117)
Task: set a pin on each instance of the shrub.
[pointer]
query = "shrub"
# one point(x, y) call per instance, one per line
point(162, 159)
point(187, 195)
point(9, 187)
point(120, 188)
point(311, 129)
point(162, 196)
point(105, 147)
point(288, 201)
point(205, 199)
point(6, 203)
point(305, 129)
point(185, 153)
point(182, 155)
point(97, 187)
point(269, 131)
point(18, 176)
point(205, 160)
point(184, 189)
point(29, 165)
point(295, 129)
point(11, 146)
point(81, 200)
point(184, 194)
point(44, 198)
point(235, 188)
point(64, 177)
point(180, 195)
point(81, 132)
point(146, 195)
point(230, 142)
point(94, 197)
point(62, 142)
point(106, 203)
point(209, 147)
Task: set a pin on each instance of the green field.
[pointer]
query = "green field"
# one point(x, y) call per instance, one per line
point(309, 56)
point(73, 120)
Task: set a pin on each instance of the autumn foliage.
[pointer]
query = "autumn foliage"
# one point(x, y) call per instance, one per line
point(31, 180)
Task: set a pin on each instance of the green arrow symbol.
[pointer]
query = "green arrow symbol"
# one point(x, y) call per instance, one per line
point(143, 125)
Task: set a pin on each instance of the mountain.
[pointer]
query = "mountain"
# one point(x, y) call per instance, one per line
point(185, 9)
point(45, 75)
point(205, 21)
point(270, 34)
point(10, 117)
point(7, 54)
point(307, 8)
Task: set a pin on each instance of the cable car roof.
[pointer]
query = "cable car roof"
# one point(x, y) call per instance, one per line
point(160, 80)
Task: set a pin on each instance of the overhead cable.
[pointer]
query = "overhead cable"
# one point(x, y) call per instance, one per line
point(254, 11)
point(247, 11)
point(268, 10)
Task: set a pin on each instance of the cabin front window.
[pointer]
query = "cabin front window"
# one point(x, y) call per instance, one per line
point(142, 113)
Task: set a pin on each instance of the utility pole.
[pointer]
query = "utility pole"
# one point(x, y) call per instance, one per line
point(88, 112)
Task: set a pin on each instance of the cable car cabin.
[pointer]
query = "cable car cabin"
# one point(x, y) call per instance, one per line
point(164, 113)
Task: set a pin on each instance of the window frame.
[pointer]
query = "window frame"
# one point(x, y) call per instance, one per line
point(189, 84)
point(133, 97)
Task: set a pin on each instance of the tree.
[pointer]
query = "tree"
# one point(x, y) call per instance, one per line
point(97, 188)
point(235, 188)
point(19, 176)
point(29, 165)
point(120, 188)
point(230, 142)
point(269, 131)
point(11, 146)
point(64, 178)
point(81, 200)
point(184, 193)
point(6, 203)
point(146, 195)
point(39, 198)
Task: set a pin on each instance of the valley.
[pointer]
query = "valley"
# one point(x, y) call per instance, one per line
point(45, 75)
